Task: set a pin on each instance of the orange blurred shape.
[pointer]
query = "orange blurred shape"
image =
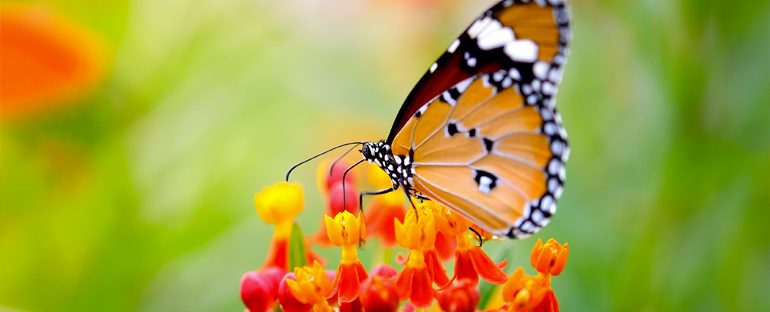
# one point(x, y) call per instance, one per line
point(45, 60)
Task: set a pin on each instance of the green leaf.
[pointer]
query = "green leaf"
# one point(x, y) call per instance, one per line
point(297, 249)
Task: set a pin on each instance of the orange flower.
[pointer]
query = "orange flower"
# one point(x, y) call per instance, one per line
point(45, 60)
point(524, 293)
point(549, 258)
point(309, 286)
point(346, 231)
point(422, 269)
point(534, 293)
point(470, 260)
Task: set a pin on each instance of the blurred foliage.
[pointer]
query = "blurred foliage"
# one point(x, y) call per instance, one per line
point(139, 196)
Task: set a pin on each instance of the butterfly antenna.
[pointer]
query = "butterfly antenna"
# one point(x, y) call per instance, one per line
point(478, 235)
point(344, 193)
point(288, 173)
point(331, 168)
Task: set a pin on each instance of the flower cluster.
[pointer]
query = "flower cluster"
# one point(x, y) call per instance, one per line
point(431, 235)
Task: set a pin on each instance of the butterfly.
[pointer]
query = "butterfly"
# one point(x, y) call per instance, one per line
point(480, 133)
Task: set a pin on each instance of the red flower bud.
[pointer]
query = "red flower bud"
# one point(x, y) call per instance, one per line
point(384, 270)
point(259, 289)
point(337, 202)
point(462, 296)
point(326, 181)
point(378, 292)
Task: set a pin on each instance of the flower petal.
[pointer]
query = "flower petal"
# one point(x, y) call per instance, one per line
point(536, 252)
point(436, 270)
point(445, 245)
point(561, 260)
point(404, 282)
point(277, 255)
point(333, 230)
point(549, 303)
point(464, 268)
point(348, 282)
point(422, 289)
point(486, 267)
point(287, 300)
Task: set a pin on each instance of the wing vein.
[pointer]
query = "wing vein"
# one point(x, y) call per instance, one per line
point(424, 181)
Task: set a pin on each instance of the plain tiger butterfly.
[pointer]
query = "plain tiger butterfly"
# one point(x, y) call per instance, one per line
point(480, 133)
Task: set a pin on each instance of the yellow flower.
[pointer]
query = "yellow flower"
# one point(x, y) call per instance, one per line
point(417, 232)
point(279, 204)
point(345, 229)
point(422, 268)
point(448, 222)
point(311, 286)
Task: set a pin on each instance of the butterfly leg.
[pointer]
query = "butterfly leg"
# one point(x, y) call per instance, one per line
point(408, 198)
point(344, 177)
point(379, 192)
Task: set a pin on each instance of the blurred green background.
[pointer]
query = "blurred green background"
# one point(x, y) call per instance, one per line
point(139, 197)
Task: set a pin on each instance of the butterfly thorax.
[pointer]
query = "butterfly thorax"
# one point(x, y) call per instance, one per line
point(398, 167)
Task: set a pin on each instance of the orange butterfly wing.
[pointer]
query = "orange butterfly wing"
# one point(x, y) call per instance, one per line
point(512, 34)
point(489, 156)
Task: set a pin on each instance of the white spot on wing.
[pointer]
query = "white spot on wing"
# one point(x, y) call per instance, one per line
point(448, 98)
point(550, 128)
point(514, 73)
point(462, 85)
point(472, 62)
point(478, 26)
point(433, 67)
point(546, 202)
point(540, 69)
point(485, 183)
point(491, 27)
point(537, 217)
point(552, 184)
point(453, 46)
point(548, 88)
point(522, 50)
point(496, 39)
